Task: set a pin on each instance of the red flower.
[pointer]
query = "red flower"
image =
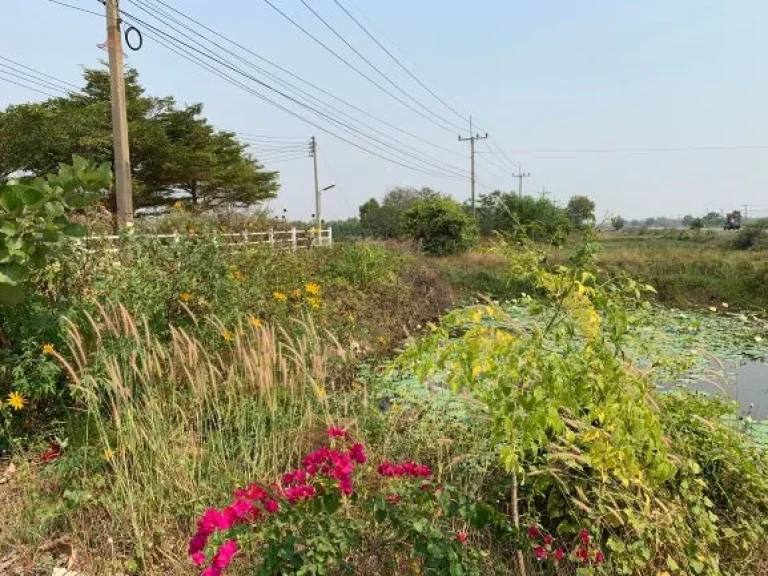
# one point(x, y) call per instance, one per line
point(559, 554)
point(584, 535)
point(534, 532)
point(406, 469)
point(271, 506)
point(345, 485)
point(224, 556)
point(334, 432)
point(540, 552)
point(197, 544)
point(461, 537)
point(548, 540)
point(53, 452)
point(582, 554)
point(357, 453)
point(198, 558)
point(253, 492)
point(599, 557)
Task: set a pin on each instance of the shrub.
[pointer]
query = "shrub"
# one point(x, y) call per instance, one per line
point(751, 235)
point(617, 222)
point(441, 225)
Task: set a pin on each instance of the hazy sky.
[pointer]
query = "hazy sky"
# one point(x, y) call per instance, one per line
point(557, 75)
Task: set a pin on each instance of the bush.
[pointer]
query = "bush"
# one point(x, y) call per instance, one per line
point(751, 235)
point(538, 218)
point(441, 225)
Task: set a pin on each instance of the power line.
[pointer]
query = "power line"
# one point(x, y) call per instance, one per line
point(302, 80)
point(447, 169)
point(638, 150)
point(37, 90)
point(353, 67)
point(14, 63)
point(76, 8)
point(32, 80)
point(375, 68)
point(195, 60)
point(397, 60)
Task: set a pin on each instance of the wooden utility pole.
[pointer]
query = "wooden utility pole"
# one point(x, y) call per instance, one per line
point(520, 175)
point(471, 139)
point(122, 161)
point(318, 219)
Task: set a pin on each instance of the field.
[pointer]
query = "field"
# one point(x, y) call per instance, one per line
point(492, 412)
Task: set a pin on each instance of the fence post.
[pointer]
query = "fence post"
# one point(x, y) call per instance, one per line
point(271, 237)
point(330, 236)
point(245, 237)
point(176, 238)
point(293, 237)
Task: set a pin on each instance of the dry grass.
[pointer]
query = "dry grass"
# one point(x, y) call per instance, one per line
point(174, 427)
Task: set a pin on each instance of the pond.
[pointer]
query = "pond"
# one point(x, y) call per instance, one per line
point(745, 382)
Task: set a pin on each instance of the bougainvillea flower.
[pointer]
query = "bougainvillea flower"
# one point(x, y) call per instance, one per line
point(540, 552)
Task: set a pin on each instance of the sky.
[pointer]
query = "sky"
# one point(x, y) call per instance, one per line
point(583, 95)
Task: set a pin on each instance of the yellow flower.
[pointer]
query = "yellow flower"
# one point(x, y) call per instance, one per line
point(313, 302)
point(351, 317)
point(312, 288)
point(178, 206)
point(279, 296)
point(16, 401)
point(237, 275)
point(382, 340)
point(48, 348)
point(108, 455)
point(296, 293)
point(185, 296)
point(255, 322)
point(227, 335)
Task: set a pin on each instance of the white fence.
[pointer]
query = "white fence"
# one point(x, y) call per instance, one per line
point(285, 239)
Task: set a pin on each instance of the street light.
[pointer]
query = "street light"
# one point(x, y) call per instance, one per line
point(328, 187)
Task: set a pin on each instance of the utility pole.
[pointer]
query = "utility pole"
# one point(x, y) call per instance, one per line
point(122, 160)
point(520, 175)
point(471, 139)
point(745, 213)
point(318, 220)
point(544, 192)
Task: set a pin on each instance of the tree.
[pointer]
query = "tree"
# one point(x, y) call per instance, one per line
point(581, 209)
point(175, 153)
point(713, 220)
point(538, 218)
point(441, 225)
point(386, 220)
point(618, 222)
point(696, 224)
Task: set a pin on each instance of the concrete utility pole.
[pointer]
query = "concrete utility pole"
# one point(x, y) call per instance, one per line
point(122, 161)
point(318, 219)
point(520, 175)
point(544, 192)
point(471, 139)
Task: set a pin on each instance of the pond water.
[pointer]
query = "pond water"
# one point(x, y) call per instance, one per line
point(746, 382)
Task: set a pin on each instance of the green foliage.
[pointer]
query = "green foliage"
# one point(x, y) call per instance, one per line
point(713, 220)
point(349, 229)
point(696, 224)
point(752, 235)
point(387, 220)
point(34, 218)
point(441, 225)
point(583, 431)
point(172, 149)
point(617, 222)
point(581, 210)
point(538, 218)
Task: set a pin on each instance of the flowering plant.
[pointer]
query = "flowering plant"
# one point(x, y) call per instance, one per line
point(333, 510)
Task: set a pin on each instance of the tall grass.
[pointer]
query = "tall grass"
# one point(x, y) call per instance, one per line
point(183, 422)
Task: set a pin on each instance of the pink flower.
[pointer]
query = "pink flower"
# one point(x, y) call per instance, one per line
point(406, 469)
point(198, 558)
point(599, 557)
point(198, 542)
point(461, 537)
point(224, 556)
point(345, 485)
point(582, 554)
point(211, 571)
point(253, 492)
point(584, 535)
point(242, 509)
point(334, 432)
point(534, 532)
point(540, 552)
point(209, 522)
point(227, 519)
point(271, 506)
point(357, 453)
point(559, 554)
point(548, 540)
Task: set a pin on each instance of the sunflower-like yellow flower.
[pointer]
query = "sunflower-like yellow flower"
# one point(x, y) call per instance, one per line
point(296, 293)
point(312, 288)
point(237, 275)
point(255, 322)
point(48, 348)
point(279, 296)
point(313, 302)
point(16, 401)
point(186, 296)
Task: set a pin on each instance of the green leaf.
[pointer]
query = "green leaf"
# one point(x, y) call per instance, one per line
point(672, 564)
point(73, 230)
point(11, 294)
point(12, 274)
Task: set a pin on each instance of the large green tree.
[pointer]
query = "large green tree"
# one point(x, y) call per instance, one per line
point(538, 218)
point(175, 152)
point(387, 219)
point(581, 209)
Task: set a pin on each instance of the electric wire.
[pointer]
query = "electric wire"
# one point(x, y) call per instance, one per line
point(195, 60)
point(37, 90)
point(306, 82)
point(14, 63)
point(31, 80)
point(375, 68)
point(77, 8)
point(327, 107)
